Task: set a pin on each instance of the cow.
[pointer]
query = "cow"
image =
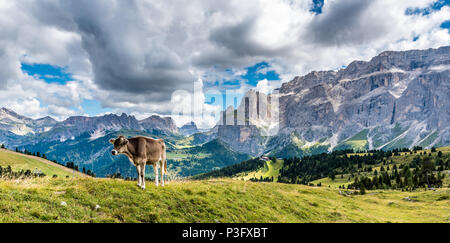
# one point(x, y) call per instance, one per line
point(143, 151)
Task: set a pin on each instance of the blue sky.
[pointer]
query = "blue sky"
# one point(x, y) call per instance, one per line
point(253, 74)
point(317, 6)
point(436, 6)
point(48, 73)
point(93, 107)
point(60, 75)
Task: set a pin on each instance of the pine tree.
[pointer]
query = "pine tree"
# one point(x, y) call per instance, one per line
point(427, 167)
point(362, 190)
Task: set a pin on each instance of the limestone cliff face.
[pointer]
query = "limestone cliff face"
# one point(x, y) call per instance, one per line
point(242, 139)
point(397, 99)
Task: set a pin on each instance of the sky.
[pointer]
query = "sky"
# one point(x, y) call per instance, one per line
point(178, 58)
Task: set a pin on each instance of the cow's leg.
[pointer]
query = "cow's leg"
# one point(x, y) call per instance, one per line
point(155, 168)
point(138, 169)
point(143, 176)
point(162, 172)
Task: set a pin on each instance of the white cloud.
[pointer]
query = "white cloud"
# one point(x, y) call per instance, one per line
point(265, 86)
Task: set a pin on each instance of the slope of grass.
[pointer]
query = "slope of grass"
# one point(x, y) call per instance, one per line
point(358, 142)
point(270, 169)
point(19, 162)
point(40, 200)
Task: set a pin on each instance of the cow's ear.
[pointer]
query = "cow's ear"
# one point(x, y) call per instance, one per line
point(112, 140)
point(125, 141)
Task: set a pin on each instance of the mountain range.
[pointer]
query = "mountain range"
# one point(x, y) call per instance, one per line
point(396, 99)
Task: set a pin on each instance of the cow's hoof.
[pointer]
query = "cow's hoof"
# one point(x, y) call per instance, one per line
point(143, 187)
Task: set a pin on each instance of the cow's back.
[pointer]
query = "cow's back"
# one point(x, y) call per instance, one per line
point(154, 148)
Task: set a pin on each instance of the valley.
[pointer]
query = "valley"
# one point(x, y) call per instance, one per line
point(317, 171)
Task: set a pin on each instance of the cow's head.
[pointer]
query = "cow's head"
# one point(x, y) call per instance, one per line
point(120, 145)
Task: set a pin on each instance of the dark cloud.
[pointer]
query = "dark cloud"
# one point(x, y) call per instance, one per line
point(345, 22)
point(125, 52)
point(8, 69)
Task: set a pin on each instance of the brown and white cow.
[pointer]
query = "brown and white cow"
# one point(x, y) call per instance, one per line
point(143, 151)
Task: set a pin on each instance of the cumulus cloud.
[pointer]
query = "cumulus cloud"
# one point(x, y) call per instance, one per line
point(132, 55)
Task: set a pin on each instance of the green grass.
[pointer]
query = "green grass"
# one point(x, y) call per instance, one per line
point(269, 170)
point(338, 181)
point(358, 142)
point(23, 162)
point(429, 139)
point(39, 200)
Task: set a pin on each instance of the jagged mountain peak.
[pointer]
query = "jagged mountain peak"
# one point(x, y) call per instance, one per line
point(189, 128)
point(7, 112)
point(166, 124)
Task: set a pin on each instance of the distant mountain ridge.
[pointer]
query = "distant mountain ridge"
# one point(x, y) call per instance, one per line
point(21, 125)
point(189, 129)
point(74, 126)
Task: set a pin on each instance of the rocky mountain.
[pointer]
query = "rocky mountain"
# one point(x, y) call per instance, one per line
point(189, 129)
point(397, 99)
point(20, 125)
point(154, 122)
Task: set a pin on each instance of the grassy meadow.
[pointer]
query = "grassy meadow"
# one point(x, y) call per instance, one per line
point(85, 199)
point(24, 162)
point(76, 200)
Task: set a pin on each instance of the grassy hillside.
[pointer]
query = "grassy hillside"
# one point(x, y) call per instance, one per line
point(19, 162)
point(357, 142)
point(270, 169)
point(255, 169)
point(41, 200)
point(402, 158)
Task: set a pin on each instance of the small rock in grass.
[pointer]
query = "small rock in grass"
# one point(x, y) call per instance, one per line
point(63, 203)
point(97, 207)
